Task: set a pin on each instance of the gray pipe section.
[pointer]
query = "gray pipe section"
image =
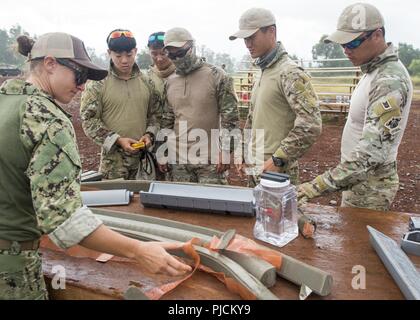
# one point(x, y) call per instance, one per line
point(216, 262)
point(260, 269)
point(293, 270)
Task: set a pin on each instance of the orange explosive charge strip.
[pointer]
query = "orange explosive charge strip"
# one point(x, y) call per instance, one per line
point(237, 244)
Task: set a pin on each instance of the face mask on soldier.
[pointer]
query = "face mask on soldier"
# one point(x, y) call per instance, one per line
point(187, 63)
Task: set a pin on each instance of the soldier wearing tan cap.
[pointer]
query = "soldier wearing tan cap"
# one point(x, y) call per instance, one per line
point(40, 171)
point(283, 101)
point(200, 99)
point(378, 115)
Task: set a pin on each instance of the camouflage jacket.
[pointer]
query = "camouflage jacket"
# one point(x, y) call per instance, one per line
point(51, 172)
point(114, 108)
point(284, 105)
point(378, 116)
point(218, 86)
point(159, 77)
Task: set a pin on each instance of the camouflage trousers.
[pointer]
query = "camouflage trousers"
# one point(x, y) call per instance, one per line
point(291, 169)
point(376, 193)
point(122, 165)
point(202, 174)
point(21, 276)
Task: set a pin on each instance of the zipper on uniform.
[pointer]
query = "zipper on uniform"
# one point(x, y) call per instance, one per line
point(259, 81)
point(128, 91)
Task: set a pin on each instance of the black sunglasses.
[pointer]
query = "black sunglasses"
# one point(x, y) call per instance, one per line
point(80, 74)
point(177, 54)
point(357, 42)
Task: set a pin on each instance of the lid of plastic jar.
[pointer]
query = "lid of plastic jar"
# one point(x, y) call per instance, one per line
point(274, 184)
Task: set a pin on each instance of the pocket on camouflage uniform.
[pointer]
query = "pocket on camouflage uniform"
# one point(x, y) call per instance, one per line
point(305, 93)
point(21, 277)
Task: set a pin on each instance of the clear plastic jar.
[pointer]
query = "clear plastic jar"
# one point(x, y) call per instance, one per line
point(276, 211)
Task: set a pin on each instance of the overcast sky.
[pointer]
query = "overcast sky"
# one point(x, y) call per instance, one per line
point(301, 23)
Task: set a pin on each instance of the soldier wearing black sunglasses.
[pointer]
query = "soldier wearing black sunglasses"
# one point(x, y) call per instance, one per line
point(202, 97)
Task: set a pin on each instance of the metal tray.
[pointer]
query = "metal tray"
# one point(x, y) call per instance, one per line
point(411, 243)
point(217, 199)
point(106, 198)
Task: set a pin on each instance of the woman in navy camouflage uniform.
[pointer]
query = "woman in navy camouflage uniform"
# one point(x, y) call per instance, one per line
point(40, 171)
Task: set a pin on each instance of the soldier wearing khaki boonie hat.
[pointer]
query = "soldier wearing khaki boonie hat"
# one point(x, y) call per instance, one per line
point(252, 20)
point(354, 21)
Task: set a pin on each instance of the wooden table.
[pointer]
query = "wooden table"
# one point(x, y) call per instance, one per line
point(341, 243)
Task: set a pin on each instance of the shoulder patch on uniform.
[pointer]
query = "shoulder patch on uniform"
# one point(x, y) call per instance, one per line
point(388, 113)
point(386, 106)
point(305, 76)
point(392, 123)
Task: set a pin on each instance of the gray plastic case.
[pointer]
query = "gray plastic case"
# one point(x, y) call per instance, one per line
point(414, 224)
point(106, 198)
point(225, 200)
point(411, 243)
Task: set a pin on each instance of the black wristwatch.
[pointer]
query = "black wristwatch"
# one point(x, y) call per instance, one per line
point(278, 162)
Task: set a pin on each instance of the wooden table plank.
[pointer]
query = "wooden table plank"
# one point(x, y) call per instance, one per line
point(341, 242)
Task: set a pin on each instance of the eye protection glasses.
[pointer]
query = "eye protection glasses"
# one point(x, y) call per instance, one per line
point(357, 42)
point(119, 34)
point(177, 54)
point(154, 37)
point(80, 73)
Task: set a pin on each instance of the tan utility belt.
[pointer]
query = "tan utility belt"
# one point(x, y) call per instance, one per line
point(19, 245)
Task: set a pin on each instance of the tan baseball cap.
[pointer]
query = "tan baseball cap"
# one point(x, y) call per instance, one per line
point(66, 46)
point(252, 20)
point(177, 37)
point(354, 21)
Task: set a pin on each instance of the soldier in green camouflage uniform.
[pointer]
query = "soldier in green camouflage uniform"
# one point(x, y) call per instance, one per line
point(162, 67)
point(283, 102)
point(378, 115)
point(121, 110)
point(159, 72)
point(203, 97)
point(40, 171)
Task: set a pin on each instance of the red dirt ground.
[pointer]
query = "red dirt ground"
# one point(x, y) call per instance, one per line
point(324, 154)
